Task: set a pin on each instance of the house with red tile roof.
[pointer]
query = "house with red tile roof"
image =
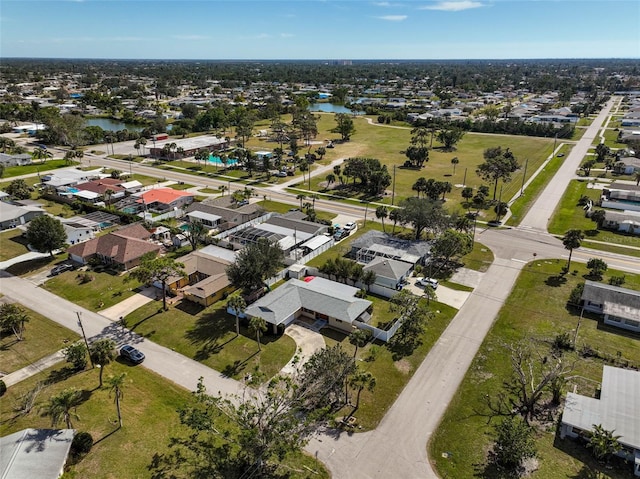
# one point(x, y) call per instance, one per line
point(162, 200)
point(122, 248)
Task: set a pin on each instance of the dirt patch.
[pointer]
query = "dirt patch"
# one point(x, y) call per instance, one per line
point(403, 366)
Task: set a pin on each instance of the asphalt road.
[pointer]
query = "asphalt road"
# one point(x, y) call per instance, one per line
point(397, 448)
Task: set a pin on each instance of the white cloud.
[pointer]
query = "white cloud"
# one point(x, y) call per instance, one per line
point(393, 18)
point(191, 37)
point(454, 6)
point(287, 35)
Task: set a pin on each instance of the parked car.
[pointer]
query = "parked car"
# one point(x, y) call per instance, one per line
point(424, 282)
point(130, 353)
point(340, 234)
point(281, 174)
point(61, 268)
point(350, 226)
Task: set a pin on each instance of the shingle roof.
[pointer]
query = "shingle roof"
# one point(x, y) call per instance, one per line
point(388, 268)
point(318, 294)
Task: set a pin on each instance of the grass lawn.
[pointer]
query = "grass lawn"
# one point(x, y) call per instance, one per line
point(569, 215)
point(12, 244)
point(149, 411)
point(11, 171)
point(41, 338)
point(391, 372)
point(537, 309)
point(209, 336)
point(103, 291)
point(479, 259)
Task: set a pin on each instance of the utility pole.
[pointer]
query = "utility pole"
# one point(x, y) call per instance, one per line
point(464, 180)
point(85, 338)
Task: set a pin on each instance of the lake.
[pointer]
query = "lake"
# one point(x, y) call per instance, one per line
point(108, 124)
point(329, 108)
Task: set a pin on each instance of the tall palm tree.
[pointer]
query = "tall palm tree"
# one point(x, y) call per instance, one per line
point(381, 213)
point(63, 406)
point(301, 197)
point(257, 325)
point(361, 380)
point(368, 278)
point(238, 304)
point(359, 338)
point(571, 240)
point(116, 383)
point(454, 162)
point(102, 352)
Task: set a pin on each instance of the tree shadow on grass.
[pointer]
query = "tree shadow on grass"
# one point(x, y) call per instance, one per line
point(207, 333)
point(26, 267)
point(60, 375)
point(134, 326)
point(231, 370)
point(556, 280)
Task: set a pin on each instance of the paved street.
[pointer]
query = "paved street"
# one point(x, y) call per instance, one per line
point(397, 448)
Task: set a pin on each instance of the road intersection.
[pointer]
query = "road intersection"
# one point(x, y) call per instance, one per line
point(397, 448)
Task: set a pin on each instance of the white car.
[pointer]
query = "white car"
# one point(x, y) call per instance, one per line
point(433, 283)
point(350, 226)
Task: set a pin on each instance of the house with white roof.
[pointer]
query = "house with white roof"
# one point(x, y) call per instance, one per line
point(619, 306)
point(617, 409)
point(316, 299)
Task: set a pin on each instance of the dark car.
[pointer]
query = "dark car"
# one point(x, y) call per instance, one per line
point(61, 268)
point(132, 354)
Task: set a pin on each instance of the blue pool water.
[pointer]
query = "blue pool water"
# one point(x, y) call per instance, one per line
point(73, 190)
point(216, 161)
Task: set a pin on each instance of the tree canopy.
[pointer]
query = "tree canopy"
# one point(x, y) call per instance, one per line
point(344, 127)
point(423, 214)
point(499, 164)
point(157, 268)
point(46, 233)
point(255, 263)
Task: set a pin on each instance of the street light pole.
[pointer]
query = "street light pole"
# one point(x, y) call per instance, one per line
point(393, 190)
point(85, 338)
point(524, 176)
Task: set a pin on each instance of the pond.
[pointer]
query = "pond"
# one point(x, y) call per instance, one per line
point(109, 124)
point(329, 108)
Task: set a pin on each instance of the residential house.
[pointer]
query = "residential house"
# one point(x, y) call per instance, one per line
point(624, 221)
point(122, 249)
point(391, 274)
point(619, 306)
point(617, 409)
point(162, 200)
point(189, 146)
point(316, 299)
point(78, 229)
point(627, 165)
point(206, 281)
point(107, 189)
point(12, 215)
point(15, 160)
point(35, 453)
point(374, 244)
point(223, 213)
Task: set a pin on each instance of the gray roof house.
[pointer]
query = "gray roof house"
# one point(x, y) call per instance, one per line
point(15, 160)
point(222, 213)
point(16, 215)
point(617, 409)
point(35, 453)
point(376, 243)
point(627, 221)
point(314, 298)
point(620, 306)
point(390, 273)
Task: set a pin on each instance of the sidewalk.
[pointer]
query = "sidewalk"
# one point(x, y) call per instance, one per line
point(34, 368)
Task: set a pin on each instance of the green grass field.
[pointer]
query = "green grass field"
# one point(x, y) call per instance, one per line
point(36, 167)
point(208, 335)
point(537, 309)
point(150, 417)
point(41, 338)
point(103, 291)
point(12, 244)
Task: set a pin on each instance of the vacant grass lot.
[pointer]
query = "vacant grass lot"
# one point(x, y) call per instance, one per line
point(208, 335)
point(149, 411)
point(12, 244)
point(11, 171)
point(569, 215)
point(41, 338)
point(103, 291)
point(535, 309)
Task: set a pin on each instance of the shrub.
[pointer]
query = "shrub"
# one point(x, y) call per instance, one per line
point(617, 280)
point(3, 387)
point(562, 342)
point(81, 444)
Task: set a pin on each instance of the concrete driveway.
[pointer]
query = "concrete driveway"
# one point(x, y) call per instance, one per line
point(130, 304)
point(307, 341)
point(448, 296)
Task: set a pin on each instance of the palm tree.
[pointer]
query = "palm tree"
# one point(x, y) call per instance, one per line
point(368, 278)
point(143, 141)
point(381, 213)
point(301, 197)
point(359, 338)
point(395, 216)
point(454, 162)
point(331, 178)
point(62, 406)
point(258, 326)
point(571, 240)
point(102, 352)
point(107, 196)
point(603, 442)
point(41, 154)
point(361, 380)
point(116, 383)
point(238, 304)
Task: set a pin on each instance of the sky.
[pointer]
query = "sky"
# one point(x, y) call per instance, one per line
point(320, 29)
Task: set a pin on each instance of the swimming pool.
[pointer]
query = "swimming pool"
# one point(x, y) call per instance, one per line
point(216, 161)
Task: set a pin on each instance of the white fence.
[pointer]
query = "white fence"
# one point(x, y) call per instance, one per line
point(177, 213)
